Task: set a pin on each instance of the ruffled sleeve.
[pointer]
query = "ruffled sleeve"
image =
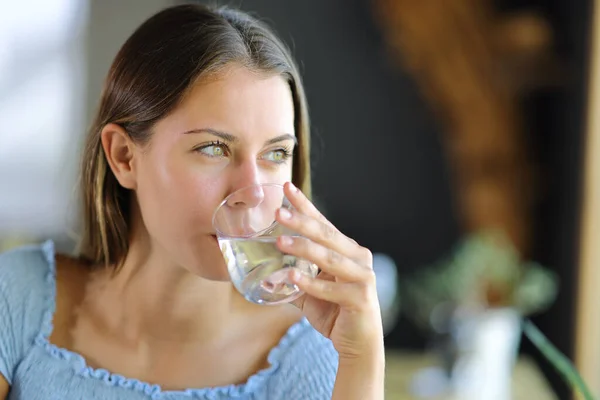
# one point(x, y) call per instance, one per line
point(22, 291)
point(309, 367)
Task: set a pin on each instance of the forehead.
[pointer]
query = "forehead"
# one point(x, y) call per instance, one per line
point(238, 101)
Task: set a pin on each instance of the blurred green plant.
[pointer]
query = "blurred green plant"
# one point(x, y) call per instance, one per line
point(485, 271)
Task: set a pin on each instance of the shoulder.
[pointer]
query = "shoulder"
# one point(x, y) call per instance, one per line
point(26, 274)
point(27, 266)
point(308, 363)
point(25, 294)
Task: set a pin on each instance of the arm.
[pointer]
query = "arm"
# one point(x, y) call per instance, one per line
point(360, 379)
point(3, 388)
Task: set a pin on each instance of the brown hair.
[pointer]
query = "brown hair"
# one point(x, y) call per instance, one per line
point(148, 78)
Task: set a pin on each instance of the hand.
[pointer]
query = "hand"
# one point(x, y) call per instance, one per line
point(341, 302)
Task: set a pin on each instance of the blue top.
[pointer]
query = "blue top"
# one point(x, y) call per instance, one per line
point(302, 366)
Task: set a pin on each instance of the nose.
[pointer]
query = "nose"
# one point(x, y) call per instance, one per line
point(245, 191)
point(247, 197)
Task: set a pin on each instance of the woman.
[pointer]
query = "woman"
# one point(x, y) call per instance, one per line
point(198, 103)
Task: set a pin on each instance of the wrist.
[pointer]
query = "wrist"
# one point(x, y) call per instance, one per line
point(361, 377)
point(372, 358)
point(371, 354)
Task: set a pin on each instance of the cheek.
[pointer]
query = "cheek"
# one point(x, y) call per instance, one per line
point(180, 194)
point(287, 171)
point(279, 175)
point(201, 196)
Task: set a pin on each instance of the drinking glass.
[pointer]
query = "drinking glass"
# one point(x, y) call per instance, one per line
point(247, 232)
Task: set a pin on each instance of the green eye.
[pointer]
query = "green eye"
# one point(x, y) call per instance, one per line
point(213, 150)
point(217, 151)
point(278, 156)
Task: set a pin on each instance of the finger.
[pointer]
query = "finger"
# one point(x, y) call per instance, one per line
point(328, 260)
point(299, 302)
point(301, 203)
point(350, 295)
point(324, 234)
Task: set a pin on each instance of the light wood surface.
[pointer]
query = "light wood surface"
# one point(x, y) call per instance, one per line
point(587, 340)
point(401, 367)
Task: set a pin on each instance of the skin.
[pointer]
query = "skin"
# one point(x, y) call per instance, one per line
point(172, 303)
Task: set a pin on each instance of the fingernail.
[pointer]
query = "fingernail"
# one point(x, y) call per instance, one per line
point(286, 240)
point(285, 213)
point(296, 275)
point(293, 188)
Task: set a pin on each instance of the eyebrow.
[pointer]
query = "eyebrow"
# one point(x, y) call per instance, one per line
point(281, 138)
point(232, 139)
point(223, 135)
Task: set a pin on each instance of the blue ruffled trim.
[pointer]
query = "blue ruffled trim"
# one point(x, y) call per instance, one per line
point(154, 391)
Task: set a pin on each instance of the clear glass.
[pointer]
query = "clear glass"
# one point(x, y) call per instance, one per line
point(247, 233)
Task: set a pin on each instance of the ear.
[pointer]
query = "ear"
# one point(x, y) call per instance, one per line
point(120, 151)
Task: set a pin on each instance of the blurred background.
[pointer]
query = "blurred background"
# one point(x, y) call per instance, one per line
point(450, 137)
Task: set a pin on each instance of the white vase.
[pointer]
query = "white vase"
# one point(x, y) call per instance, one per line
point(488, 346)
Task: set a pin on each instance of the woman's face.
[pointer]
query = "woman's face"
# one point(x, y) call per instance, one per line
point(228, 133)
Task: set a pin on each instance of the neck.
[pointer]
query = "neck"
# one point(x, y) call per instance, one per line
point(152, 300)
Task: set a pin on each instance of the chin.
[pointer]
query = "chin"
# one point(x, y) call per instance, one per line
point(207, 260)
